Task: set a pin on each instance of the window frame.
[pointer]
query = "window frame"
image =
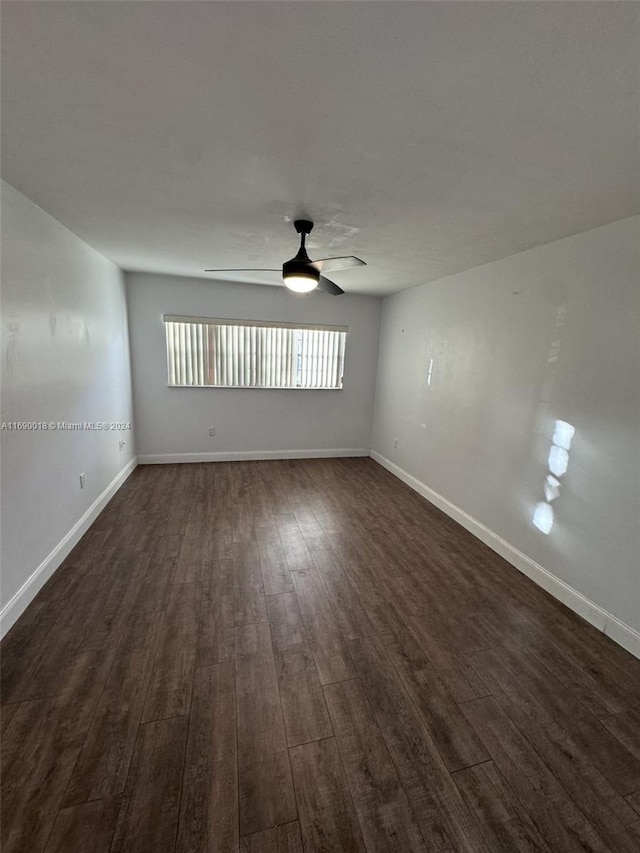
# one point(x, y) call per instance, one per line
point(269, 324)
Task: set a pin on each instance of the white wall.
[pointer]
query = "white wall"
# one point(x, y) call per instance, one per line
point(65, 357)
point(172, 422)
point(551, 333)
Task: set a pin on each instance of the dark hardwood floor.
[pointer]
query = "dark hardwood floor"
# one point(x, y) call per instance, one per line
point(305, 655)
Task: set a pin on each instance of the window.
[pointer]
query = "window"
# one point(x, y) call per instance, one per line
point(218, 353)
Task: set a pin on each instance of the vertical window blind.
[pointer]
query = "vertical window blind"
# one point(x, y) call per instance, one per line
point(253, 354)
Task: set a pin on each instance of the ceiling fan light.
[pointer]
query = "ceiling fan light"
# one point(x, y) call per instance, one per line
point(300, 283)
point(299, 275)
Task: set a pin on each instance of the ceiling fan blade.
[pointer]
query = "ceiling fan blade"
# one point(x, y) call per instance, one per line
point(329, 286)
point(335, 264)
point(253, 269)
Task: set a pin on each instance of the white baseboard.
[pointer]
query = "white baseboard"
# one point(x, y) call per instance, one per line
point(241, 455)
point(16, 606)
point(623, 634)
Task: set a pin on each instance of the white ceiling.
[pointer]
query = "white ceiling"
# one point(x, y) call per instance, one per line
point(425, 137)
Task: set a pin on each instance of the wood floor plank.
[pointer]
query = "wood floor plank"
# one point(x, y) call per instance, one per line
point(615, 670)
point(242, 519)
point(209, 809)
point(281, 839)
point(626, 728)
point(445, 821)
point(260, 504)
point(566, 667)
point(327, 816)
point(617, 757)
point(303, 706)
point(194, 554)
point(459, 678)
point(111, 619)
point(634, 801)
point(387, 822)
point(505, 824)
point(24, 649)
point(618, 764)
point(216, 639)
point(18, 721)
point(221, 537)
point(7, 713)
point(607, 811)
point(293, 543)
point(265, 784)
point(344, 598)
point(266, 791)
point(307, 521)
point(259, 711)
point(328, 645)
point(89, 826)
point(312, 532)
point(217, 589)
point(454, 738)
point(157, 574)
point(181, 503)
point(148, 816)
point(249, 598)
point(275, 571)
point(77, 612)
point(287, 628)
point(634, 830)
point(169, 692)
point(62, 581)
point(34, 782)
point(104, 761)
point(508, 748)
point(560, 822)
point(278, 493)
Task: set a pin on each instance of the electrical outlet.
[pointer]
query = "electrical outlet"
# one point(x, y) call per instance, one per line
point(82, 481)
point(212, 430)
point(395, 443)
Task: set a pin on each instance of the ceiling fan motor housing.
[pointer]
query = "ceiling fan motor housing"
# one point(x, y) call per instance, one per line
point(300, 266)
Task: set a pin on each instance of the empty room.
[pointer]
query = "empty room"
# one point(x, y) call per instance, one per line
point(320, 444)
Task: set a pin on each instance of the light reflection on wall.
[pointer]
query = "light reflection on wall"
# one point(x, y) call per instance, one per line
point(430, 371)
point(543, 517)
point(551, 488)
point(558, 462)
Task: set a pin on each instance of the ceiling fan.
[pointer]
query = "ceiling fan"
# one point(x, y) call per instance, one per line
point(301, 274)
